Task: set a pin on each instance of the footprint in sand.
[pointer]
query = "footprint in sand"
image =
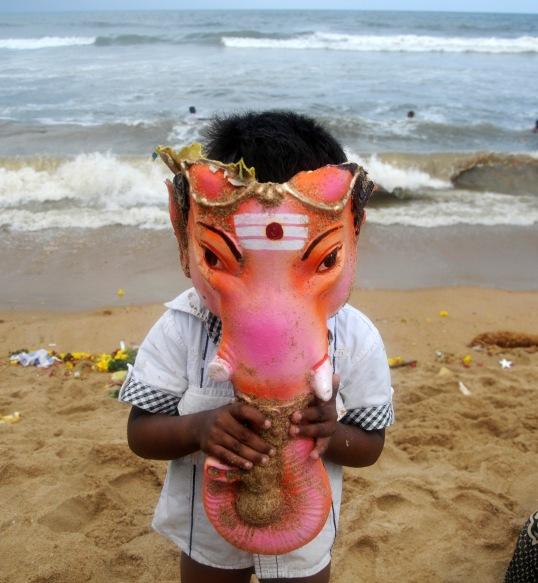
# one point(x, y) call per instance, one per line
point(390, 502)
point(77, 513)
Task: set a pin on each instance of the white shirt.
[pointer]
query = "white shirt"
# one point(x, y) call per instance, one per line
point(170, 376)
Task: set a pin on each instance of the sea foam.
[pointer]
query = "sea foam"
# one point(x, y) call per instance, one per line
point(97, 180)
point(390, 43)
point(45, 42)
point(393, 178)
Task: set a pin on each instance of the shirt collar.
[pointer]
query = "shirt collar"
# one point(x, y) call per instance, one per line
point(191, 303)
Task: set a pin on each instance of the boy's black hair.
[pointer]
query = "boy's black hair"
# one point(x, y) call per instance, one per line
point(279, 144)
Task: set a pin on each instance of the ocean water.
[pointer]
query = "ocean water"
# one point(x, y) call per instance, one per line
point(84, 98)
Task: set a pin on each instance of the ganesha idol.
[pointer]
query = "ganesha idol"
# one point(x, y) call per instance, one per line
point(274, 262)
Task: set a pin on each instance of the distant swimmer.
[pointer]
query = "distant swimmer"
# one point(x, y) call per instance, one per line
point(535, 129)
point(194, 117)
point(410, 114)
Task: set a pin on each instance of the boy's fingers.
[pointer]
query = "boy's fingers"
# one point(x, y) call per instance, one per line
point(244, 452)
point(243, 412)
point(228, 457)
point(248, 438)
point(320, 412)
point(321, 446)
point(316, 414)
point(325, 429)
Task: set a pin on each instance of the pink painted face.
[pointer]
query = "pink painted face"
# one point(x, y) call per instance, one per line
point(274, 262)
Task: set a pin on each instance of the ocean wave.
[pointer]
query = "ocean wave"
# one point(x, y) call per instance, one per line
point(129, 39)
point(96, 190)
point(402, 174)
point(91, 181)
point(142, 217)
point(393, 178)
point(216, 36)
point(514, 174)
point(459, 207)
point(45, 42)
point(390, 43)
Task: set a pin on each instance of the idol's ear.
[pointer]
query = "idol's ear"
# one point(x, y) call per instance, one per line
point(178, 209)
point(360, 194)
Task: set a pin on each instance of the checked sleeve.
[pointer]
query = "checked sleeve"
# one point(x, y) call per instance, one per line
point(365, 394)
point(157, 380)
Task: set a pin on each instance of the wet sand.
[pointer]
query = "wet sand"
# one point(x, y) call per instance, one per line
point(82, 269)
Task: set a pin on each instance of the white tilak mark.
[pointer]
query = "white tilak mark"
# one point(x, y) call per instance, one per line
point(250, 229)
point(259, 231)
point(267, 218)
point(268, 245)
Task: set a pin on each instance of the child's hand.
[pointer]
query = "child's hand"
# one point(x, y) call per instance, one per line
point(225, 433)
point(319, 421)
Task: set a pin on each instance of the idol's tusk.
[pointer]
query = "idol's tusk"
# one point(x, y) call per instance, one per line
point(219, 370)
point(322, 379)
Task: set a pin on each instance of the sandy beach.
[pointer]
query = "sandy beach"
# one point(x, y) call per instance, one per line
point(438, 107)
point(444, 503)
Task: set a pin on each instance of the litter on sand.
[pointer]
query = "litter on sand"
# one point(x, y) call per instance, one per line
point(505, 363)
point(10, 419)
point(118, 360)
point(464, 390)
point(40, 358)
point(467, 360)
point(399, 361)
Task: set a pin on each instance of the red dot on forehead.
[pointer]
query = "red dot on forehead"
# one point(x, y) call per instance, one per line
point(274, 231)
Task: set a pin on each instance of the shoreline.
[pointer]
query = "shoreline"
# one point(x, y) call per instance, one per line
point(77, 269)
point(406, 319)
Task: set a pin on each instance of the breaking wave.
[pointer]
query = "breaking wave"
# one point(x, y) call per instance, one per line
point(389, 43)
point(99, 189)
point(45, 42)
point(303, 41)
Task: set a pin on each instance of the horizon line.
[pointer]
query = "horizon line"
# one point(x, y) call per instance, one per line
point(282, 9)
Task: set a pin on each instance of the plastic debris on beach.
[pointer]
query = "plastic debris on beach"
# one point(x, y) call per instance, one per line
point(41, 358)
point(464, 390)
point(505, 363)
point(400, 361)
point(118, 360)
point(443, 314)
point(467, 360)
point(10, 419)
point(120, 292)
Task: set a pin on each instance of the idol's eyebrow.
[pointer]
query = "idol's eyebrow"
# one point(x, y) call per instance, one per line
point(317, 240)
point(235, 251)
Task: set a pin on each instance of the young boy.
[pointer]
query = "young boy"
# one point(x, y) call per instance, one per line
point(180, 414)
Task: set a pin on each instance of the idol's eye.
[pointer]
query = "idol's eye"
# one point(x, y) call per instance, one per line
point(330, 260)
point(211, 259)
